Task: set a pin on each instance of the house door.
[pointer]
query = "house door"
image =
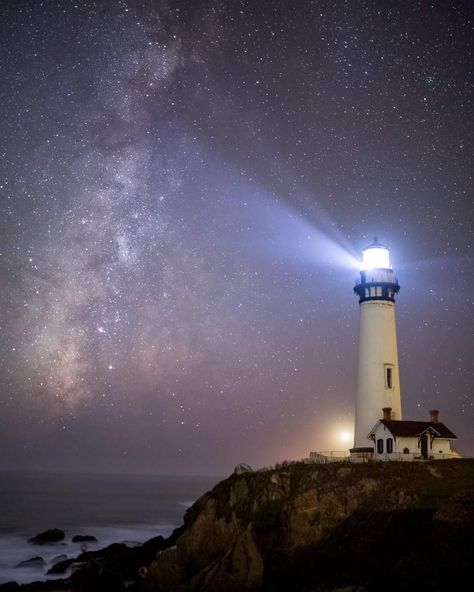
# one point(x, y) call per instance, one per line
point(424, 446)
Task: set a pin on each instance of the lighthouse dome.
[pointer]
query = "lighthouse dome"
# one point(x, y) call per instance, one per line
point(376, 256)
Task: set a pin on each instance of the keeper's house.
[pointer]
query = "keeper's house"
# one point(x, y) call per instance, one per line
point(411, 440)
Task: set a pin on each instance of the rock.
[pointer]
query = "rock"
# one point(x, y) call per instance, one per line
point(10, 587)
point(84, 538)
point(59, 558)
point(113, 568)
point(241, 568)
point(242, 468)
point(326, 528)
point(34, 562)
point(49, 536)
point(61, 567)
point(152, 546)
point(47, 586)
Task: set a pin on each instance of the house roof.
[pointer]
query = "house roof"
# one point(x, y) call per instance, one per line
point(416, 428)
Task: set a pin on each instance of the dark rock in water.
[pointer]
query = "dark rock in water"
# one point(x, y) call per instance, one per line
point(49, 536)
point(84, 538)
point(33, 562)
point(114, 568)
point(61, 567)
point(48, 586)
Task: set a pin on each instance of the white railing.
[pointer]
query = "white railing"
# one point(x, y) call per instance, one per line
point(344, 456)
point(329, 456)
point(414, 456)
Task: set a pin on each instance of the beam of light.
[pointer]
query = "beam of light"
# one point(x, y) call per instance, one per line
point(325, 250)
point(261, 222)
point(315, 238)
point(280, 231)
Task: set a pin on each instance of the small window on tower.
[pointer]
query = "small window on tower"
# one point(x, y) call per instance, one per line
point(389, 377)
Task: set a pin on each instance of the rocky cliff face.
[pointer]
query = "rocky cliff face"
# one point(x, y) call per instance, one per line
point(381, 526)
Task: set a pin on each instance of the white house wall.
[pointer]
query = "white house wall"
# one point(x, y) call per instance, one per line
point(439, 447)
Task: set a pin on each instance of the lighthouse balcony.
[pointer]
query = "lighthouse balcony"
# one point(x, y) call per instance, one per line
point(376, 276)
point(392, 281)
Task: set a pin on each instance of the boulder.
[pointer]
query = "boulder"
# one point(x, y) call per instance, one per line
point(55, 535)
point(61, 567)
point(242, 468)
point(34, 562)
point(84, 538)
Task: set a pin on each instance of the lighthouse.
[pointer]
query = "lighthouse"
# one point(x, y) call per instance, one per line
point(378, 383)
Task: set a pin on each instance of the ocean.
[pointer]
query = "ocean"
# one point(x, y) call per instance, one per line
point(113, 508)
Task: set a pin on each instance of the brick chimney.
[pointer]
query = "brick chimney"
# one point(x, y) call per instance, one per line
point(434, 416)
point(387, 413)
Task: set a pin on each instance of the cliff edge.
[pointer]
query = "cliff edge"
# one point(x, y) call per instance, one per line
point(321, 528)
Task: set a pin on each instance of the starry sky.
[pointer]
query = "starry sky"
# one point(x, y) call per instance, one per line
point(186, 188)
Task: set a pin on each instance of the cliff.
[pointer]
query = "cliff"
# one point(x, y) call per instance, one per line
point(348, 527)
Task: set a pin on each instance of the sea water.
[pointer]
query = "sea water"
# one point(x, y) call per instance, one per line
point(114, 509)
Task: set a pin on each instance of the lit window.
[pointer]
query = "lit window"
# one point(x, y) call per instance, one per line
point(380, 446)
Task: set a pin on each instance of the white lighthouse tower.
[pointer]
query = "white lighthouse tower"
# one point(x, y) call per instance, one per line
point(378, 384)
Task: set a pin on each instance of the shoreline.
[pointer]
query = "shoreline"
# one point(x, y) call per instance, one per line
point(116, 509)
point(114, 563)
point(30, 563)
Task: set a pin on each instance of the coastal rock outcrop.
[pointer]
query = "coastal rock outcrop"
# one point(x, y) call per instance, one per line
point(55, 535)
point(84, 538)
point(34, 562)
point(322, 528)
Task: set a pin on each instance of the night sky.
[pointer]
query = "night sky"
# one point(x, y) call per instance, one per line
point(186, 188)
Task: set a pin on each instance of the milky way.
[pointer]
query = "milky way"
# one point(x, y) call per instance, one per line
point(184, 190)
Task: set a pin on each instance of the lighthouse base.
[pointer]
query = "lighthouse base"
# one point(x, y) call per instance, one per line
point(362, 454)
